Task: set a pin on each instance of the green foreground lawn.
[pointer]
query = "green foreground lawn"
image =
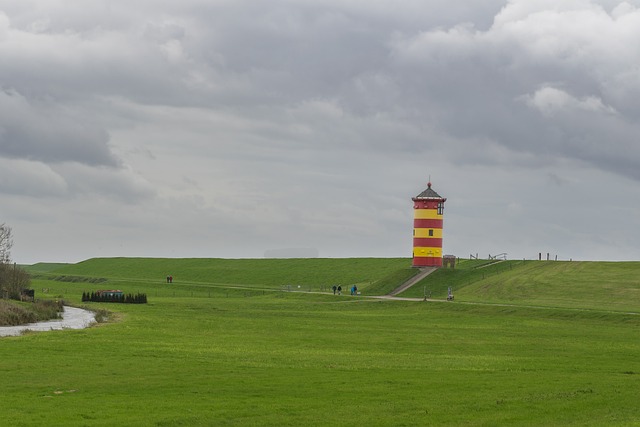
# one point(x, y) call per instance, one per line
point(234, 357)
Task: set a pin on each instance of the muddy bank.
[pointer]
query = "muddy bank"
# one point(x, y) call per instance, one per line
point(72, 318)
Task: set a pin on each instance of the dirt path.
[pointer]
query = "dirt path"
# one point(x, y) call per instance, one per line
point(424, 272)
point(72, 318)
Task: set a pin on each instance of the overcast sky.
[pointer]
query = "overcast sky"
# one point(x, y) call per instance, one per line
point(231, 128)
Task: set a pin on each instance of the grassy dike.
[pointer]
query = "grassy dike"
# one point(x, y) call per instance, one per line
point(566, 284)
point(219, 351)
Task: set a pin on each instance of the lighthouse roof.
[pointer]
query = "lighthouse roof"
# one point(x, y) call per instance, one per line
point(429, 193)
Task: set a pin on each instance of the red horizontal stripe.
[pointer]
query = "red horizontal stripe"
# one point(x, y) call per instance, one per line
point(427, 262)
point(427, 242)
point(421, 204)
point(427, 223)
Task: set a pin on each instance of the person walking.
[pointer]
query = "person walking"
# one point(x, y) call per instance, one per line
point(335, 288)
point(339, 290)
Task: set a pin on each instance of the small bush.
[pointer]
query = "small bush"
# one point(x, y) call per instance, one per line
point(14, 313)
point(48, 309)
point(101, 315)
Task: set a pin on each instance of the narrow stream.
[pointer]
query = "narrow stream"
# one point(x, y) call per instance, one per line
point(72, 318)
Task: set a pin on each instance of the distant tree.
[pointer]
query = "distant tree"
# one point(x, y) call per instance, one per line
point(12, 278)
point(6, 242)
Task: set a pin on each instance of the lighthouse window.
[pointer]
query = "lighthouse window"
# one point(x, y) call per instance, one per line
point(430, 233)
point(440, 208)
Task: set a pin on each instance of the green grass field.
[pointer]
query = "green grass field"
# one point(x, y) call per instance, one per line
point(227, 344)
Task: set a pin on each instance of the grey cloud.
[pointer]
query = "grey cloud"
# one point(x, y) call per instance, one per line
point(319, 115)
point(210, 54)
point(103, 182)
point(45, 131)
point(27, 178)
point(80, 65)
point(473, 82)
point(71, 181)
point(424, 71)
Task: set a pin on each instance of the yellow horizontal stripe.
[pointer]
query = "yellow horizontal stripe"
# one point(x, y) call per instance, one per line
point(426, 214)
point(433, 252)
point(424, 232)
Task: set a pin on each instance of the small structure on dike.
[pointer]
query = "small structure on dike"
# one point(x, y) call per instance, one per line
point(449, 261)
point(110, 294)
point(428, 208)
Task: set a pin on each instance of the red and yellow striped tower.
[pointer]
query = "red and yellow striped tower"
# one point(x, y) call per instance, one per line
point(428, 208)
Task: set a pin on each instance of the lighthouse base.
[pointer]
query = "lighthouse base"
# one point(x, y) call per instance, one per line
point(427, 262)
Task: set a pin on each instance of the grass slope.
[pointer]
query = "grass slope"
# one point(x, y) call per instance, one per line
point(313, 273)
point(42, 267)
point(587, 285)
point(243, 355)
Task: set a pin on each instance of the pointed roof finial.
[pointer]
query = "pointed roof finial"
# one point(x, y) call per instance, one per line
point(429, 183)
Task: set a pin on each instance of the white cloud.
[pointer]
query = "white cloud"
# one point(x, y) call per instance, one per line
point(549, 100)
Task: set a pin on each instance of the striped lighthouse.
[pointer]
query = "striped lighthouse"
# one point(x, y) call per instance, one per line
point(428, 209)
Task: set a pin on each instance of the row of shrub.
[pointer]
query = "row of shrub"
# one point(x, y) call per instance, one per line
point(13, 314)
point(70, 279)
point(121, 298)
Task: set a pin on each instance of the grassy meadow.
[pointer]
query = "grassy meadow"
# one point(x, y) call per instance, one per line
point(227, 344)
